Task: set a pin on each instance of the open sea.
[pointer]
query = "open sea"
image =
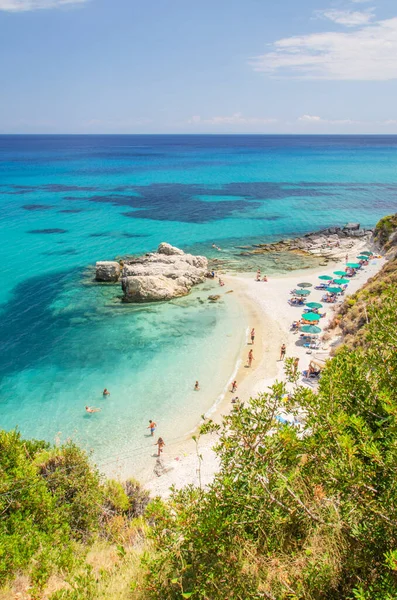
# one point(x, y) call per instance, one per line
point(68, 201)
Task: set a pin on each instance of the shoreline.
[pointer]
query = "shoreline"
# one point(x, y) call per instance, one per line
point(265, 307)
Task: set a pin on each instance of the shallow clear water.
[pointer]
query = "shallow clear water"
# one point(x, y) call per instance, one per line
point(67, 201)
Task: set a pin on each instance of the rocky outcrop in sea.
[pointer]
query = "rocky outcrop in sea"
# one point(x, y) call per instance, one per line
point(162, 275)
point(328, 244)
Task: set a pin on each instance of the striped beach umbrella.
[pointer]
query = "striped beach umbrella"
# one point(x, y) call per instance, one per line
point(300, 292)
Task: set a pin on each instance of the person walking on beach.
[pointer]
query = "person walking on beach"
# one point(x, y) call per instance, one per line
point(160, 445)
point(152, 427)
point(283, 350)
point(252, 336)
point(234, 386)
point(196, 386)
point(347, 257)
point(296, 363)
point(250, 358)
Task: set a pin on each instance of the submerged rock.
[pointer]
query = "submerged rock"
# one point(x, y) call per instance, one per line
point(162, 275)
point(107, 270)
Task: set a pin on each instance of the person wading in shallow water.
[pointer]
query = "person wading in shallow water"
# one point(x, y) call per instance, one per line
point(196, 386)
point(160, 445)
point(252, 336)
point(250, 358)
point(152, 427)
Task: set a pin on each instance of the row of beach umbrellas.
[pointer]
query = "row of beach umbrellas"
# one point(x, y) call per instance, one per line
point(340, 280)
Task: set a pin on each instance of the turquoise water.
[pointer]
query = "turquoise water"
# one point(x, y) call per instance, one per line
point(67, 201)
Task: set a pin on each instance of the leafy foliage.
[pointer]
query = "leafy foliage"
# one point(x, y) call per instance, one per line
point(296, 511)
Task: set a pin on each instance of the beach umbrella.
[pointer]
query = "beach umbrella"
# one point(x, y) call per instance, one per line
point(367, 253)
point(341, 273)
point(341, 281)
point(325, 277)
point(313, 329)
point(334, 290)
point(353, 265)
point(301, 292)
point(313, 305)
point(311, 316)
point(362, 257)
point(305, 285)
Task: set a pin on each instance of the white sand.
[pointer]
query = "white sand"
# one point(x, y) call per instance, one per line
point(272, 317)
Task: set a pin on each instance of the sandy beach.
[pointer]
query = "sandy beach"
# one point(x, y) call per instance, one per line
point(268, 311)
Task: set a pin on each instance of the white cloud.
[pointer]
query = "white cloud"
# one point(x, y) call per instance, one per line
point(26, 5)
point(235, 119)
point(315, 120)
point(365, 54)
point(349, 18)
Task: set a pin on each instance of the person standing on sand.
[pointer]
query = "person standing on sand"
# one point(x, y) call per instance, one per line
point(196, 386)
point(283, 350)
point(252, 336)
point(296, 363)
point(250, 358)
point(234, 386)
point(152, 427)
point(160, 445)
point(347, 257)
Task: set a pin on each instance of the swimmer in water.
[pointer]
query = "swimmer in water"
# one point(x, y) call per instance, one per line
point(196, 386)
point(92, 409)
point(106, 392)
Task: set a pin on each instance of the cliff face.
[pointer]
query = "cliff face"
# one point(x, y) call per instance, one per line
point(385, 235)
point(354, 312)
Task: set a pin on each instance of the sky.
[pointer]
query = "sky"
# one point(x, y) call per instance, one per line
point(207, 66)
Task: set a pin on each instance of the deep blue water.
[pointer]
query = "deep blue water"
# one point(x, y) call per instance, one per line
point(67, 201)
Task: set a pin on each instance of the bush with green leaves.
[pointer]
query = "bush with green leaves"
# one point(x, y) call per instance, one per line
point(50, 497)
point(296, 511)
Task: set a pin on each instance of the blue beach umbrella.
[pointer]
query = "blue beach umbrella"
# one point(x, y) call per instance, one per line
point(325, 277)
point(313, 329)
point(367, 253)
point(341, 281)
point(334, 290)
point(311, 316)
point(313, 305)
point(341, 273)
point(362, 257)
point(353, 265)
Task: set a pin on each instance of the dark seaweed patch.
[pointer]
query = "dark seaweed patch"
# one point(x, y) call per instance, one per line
point(45, 231)
point(71, 210)
point(37, 207)
point(65, 252)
